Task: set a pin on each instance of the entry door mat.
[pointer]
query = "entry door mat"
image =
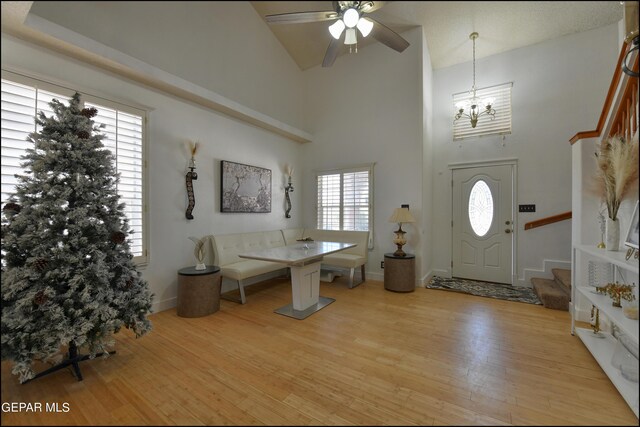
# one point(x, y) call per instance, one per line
point(485, 289)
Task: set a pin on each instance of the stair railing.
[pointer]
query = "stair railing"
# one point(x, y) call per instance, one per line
point(547, 220)
point(622, 119)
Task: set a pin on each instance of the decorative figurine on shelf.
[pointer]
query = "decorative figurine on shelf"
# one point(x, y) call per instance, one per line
point(191, 176)
point(617, 291)
point(595, 320)
point(199, 252)
point(287, 190)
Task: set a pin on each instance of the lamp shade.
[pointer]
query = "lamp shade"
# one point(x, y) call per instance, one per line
point(350, 17)
point(365, 26)
point(350, 36)
point(401, 215)
point(336, 29)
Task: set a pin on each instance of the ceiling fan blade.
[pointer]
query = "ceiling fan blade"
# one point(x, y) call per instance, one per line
point(387, 36)
point(332, 53)
point(301, 17)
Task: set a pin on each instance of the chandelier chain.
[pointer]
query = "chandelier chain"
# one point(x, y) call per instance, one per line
point(474, 66)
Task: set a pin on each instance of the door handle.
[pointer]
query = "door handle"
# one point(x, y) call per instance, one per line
point(507, 230)
point(507, 222)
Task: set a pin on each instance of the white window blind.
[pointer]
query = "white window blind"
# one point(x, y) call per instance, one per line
point(499, 125)
point(124, 132)
point(124, 139)
point(345, 200)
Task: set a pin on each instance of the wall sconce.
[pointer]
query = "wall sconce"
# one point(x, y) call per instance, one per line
point(401, 215)
point(287, 190)
point(191, 176)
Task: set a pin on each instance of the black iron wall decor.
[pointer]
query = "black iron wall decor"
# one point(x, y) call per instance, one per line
point(288, 189)
point(245, 188)
point(191, 176)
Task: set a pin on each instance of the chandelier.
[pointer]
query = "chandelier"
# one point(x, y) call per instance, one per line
point(473, 107)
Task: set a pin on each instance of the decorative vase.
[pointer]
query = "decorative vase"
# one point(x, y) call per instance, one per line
point(612, 234)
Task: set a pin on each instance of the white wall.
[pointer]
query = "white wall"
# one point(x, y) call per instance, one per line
point(171, 122)
point(427, 164)
point(222, 46)
point(559, 87)
point(367, 108)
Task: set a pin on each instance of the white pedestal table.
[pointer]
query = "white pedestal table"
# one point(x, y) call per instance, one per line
point(304, 260)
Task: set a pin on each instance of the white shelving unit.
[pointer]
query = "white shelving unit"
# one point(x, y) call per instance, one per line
point(583, 296)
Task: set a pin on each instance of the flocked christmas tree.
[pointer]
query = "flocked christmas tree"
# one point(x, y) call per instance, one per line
point(68, 277)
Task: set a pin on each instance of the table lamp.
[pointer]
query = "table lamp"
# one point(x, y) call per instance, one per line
point(400, 215)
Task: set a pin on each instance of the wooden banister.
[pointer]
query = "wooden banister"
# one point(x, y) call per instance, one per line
point(608, 101)
point(623, 123)
point(547, 220)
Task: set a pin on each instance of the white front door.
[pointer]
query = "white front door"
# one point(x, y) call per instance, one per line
point(483, 223)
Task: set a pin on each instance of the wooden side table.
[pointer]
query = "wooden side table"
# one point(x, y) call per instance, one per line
point(198, 291)
point(400, 273)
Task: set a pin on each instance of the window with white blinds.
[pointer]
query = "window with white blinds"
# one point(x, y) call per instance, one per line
point(124, 130)
point(499, 125)
point(345, 199)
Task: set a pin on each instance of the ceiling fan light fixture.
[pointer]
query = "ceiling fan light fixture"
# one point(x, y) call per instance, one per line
point(350, 36)
point(351, 17)
point(365, 26)
point(336, 29)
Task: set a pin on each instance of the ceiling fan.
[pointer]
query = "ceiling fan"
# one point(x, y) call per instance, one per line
point(348, 16)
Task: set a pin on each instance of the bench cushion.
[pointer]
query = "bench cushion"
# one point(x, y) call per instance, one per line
point(248, 268)
point(228, 246)
point(291, 235)
point(344, 260)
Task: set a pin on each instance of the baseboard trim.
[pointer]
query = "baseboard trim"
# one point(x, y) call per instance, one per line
point(375, 276)
point(167, 304)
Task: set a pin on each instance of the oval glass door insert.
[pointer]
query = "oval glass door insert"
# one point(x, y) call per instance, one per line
point(480, 208)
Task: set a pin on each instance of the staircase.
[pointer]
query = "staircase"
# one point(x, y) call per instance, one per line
point(554, 293)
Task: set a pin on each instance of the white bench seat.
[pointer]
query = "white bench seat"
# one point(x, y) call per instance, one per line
point(227, 247)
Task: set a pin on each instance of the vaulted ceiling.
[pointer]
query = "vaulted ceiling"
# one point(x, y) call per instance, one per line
point(502, 25)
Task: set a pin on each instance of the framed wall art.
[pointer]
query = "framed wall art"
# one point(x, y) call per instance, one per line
point(245, 188)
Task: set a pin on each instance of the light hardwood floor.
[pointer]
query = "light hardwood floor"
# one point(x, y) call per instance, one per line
point(373, 357)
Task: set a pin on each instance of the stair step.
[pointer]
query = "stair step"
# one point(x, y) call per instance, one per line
point(563, 277)
point(551, 294)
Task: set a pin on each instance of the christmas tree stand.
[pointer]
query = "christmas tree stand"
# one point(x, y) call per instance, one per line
point(73, 359)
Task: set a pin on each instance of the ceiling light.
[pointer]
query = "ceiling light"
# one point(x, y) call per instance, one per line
point(350, 17)
point(365, 26)
point(350, 36)
point(473, 107)
point(336, 29)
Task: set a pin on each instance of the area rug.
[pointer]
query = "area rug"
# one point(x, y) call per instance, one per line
point(485, 289)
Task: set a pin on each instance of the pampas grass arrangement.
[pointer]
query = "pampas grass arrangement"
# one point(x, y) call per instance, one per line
point(617, 174)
